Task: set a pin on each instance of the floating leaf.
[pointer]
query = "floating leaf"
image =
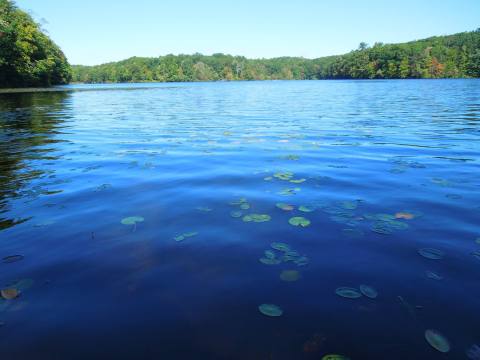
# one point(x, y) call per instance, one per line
point(285, 207)
point(289, 191)
point(185, 236)
point(257, 218)
point(349, 205)
point(290, 275)
point(268, 261)
point(348, 292)
point(245, 206)
point(280, 246)
point(306, 208)
point(269, 254)
point(9, 293)
point(335, 357)
point(204, 209)
point(298, 181)
point(236, 214)
point(437, 341)
point(268, 178)
point(404, 215)
point(270, 310)
point(430, 253)
point(132, 220)
point(12, 258)
point(432, 275)
point(299, 221)
point(368, 291)
point(179, 238)
point(287, 175)
point(301, 261)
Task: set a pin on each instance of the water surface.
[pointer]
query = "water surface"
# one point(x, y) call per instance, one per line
point(386, 168)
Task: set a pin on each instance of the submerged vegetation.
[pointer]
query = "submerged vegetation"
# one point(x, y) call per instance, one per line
point(27, 56)
point(453, 56)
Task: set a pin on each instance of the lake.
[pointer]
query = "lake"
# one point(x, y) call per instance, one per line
point(241, 220)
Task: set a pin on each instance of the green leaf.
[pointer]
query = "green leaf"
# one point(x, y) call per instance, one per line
point(271, 310)
point(299, 221)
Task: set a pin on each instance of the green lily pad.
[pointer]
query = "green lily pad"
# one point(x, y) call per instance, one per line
point(267, 261)
point(432, 275)
point(270, 310)
point(306, 208)
point(335, 357)
point(289, 191)
point(432, 254)
point(269, 254)
point(368, 291)
point(299, 221)
point(286, 175)
point(12, 258)
point(284, 206)
point(290, 275)
point(236, 214)
point(280, 246)
point(132, 220)
point(349, 205)
point(297, 181)
point(245, 206)
point(437, 341)
point(257, 218)
point(348, 292)
point(301, 261)
point(185, 236)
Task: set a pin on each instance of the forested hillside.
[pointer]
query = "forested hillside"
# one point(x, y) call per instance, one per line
point(27, 56)
point(436, 57)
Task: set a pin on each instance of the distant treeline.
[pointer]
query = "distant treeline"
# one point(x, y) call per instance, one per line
point(453, 56)
point(27, 56)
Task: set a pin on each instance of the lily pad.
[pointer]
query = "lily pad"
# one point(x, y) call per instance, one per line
point(298, 181)
point(12, 258)
point(280, 246)
point(132, 220)
point(285, 207)
point(185, 236)
point(299, 221)
point(432, 254)
point(335, 357)
point(349, 205)
point(437, 341)
point(236, 214)
point(432, 275)
point(290, 275)
point(306, 208)
point(257, 218)
point(348, 292)
point(245, 206)
point(267, 261)
point(270, 310)
point(287, 175)
point(404, 215)
point(9, 293)
point(368, 291)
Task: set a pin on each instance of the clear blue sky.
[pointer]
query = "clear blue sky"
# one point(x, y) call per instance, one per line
point(98, 31)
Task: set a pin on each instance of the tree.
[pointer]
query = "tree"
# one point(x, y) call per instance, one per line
point(27, 56)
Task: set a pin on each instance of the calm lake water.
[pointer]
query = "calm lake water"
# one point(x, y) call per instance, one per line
point(143, 217)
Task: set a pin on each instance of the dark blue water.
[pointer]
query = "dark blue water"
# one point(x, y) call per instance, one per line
point(381, 170)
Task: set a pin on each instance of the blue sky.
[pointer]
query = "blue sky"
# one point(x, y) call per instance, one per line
point(97, 31)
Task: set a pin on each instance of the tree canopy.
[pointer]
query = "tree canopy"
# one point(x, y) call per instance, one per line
point(453, 56)
point(27, 56)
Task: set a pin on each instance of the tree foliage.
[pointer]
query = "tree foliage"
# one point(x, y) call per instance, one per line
point(27, 56)
point(436, 57)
